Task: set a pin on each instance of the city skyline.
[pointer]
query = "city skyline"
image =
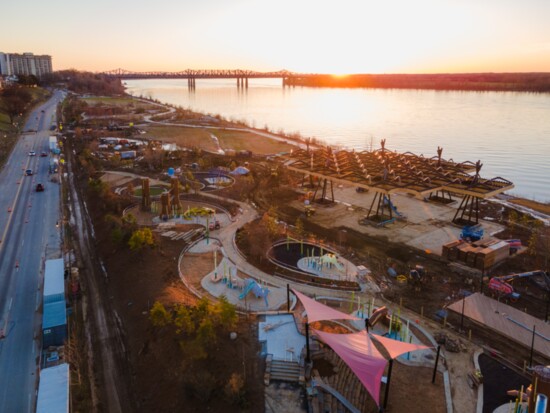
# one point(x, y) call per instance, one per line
point(428, 36)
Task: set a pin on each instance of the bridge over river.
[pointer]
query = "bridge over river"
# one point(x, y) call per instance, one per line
point(241, 76)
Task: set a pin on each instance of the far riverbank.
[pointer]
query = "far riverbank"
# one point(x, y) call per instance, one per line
point(477, 82)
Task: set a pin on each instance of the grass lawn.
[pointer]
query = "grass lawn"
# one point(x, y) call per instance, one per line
point(534, 205)
point(123, 102)
point(230, 139)
point(153, 190)
point(182, 136)
point(105, 100)
point(5, 124)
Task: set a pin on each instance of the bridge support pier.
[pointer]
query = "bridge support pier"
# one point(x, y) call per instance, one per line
point(191, 83)
point(242, 82)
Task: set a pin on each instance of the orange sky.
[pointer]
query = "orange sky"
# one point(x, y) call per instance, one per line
point(350, 36)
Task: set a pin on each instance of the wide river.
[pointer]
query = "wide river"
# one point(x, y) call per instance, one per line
point(508, 131)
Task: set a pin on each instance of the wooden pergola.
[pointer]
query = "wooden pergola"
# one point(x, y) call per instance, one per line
point(386, 172)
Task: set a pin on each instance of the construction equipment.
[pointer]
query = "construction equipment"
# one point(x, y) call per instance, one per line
point(502, 285)
point(472, 233)
point(416, 275)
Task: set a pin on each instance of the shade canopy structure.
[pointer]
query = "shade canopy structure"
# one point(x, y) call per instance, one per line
point(318, 312)
point(386, 172)
point(395, 347)
point(358, 351)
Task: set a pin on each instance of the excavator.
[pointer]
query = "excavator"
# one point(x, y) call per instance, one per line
point(502, 285)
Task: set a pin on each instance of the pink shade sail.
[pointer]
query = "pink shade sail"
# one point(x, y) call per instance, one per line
point(357, 350)
point(317, 311)
point(395, 348)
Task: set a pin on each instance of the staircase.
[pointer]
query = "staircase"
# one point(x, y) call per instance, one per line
point(285, 371)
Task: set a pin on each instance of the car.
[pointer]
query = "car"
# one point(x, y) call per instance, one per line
point(43, 154)
point(32, 153)
point(28, 172)
point(39, 188)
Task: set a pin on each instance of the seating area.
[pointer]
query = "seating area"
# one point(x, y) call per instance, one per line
point(344, 381)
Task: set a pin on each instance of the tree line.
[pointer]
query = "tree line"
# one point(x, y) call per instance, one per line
point(513, 82)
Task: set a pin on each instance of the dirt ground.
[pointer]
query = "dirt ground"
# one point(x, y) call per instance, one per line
point(138, 279)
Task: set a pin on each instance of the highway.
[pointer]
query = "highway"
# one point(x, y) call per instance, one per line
point(28, 236)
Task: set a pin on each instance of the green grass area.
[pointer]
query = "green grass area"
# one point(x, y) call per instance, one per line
point(230, 139)
point(5, 124)
point(154, 191)
point(182, 136)
point(534, 205)
point(123, 102)
point(105, 100)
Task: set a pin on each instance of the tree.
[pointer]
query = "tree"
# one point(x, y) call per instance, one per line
point(226, 314)
point(206, 334)
point(15, 99)
point(183, 320)
point(141, 238)
point(159, 316)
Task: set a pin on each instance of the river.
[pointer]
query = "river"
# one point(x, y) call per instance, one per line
point(508, 131)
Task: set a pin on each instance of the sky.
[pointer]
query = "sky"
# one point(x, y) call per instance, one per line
point(308, 36)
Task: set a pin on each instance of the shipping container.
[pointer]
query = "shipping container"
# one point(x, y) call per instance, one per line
point(54, 324)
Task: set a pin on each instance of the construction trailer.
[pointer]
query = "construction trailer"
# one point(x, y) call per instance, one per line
point(53, 390)
point(54, 324)
point(54, 281)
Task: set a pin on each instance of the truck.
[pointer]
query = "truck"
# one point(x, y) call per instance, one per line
point(53, 145)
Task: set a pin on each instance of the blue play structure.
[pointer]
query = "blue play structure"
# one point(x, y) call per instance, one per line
point(257, 290)
point(472, 233)
point(392, 206)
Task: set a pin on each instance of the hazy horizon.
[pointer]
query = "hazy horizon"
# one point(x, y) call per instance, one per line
point(355, 37)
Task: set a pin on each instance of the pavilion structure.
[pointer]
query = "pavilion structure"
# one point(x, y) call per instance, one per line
point(386, 172)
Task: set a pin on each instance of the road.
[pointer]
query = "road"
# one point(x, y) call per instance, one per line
point(29, 236)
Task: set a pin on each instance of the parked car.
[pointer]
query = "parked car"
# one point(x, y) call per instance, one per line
point(39, 188)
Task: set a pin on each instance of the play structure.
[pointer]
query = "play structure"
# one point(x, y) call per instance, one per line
point(326, 262)
point(314, 264)
point(251, 286)
point(384, 172)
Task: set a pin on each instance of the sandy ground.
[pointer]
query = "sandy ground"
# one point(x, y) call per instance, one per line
point(423, 225)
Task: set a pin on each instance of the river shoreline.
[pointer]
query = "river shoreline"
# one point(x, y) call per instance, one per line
point(477, 82)
point(536, 209)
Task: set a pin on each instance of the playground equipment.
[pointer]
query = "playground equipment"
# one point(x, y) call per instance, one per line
point(472, 233)
point(214, 225)
point(378, 315)
point(502, 285)
point(256, 289)
point(198, 211)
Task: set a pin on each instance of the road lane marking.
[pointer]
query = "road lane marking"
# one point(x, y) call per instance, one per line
point(11, 302)
point(14, 204)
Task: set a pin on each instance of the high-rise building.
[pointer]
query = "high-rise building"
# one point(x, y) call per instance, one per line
point(25, 64)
